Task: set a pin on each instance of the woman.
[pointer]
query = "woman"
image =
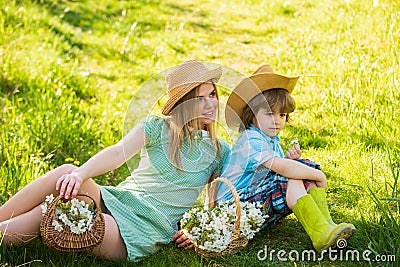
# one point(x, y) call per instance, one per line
point(179, 154)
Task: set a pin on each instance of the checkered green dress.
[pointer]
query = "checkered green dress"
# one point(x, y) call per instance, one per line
point(148, 205)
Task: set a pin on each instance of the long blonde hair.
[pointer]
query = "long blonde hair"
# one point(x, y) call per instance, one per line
point(183, 122)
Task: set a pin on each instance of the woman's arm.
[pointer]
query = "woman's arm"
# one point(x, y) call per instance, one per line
point(106, 160)
point(179, 237)
point(296, 170)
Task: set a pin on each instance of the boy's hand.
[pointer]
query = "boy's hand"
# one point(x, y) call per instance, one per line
point(294, 152)
point(322, 182)
point(181, 240)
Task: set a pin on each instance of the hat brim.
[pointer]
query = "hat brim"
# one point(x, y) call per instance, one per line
point(248, 88)
point(212, 75)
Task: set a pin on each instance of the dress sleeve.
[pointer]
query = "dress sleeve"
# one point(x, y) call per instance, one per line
point(152, 127)
point(258, 151)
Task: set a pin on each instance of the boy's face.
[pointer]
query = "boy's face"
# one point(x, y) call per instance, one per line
point(270, 123)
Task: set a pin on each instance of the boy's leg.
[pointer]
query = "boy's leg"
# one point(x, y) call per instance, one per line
point(295, 190)
point(323, 235)
point(319, 196)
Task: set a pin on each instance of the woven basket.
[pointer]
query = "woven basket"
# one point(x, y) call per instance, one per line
point(66, 240)
point(236, 240)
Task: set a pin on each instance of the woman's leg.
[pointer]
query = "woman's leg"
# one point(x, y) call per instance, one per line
point(34, 193)
point(23, 228)
point(21, 215)
point(113, 246)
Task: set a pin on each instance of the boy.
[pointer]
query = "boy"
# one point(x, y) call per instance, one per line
point(260, 106)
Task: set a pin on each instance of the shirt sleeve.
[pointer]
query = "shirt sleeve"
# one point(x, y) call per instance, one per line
point(258, 151)
point(152, 127)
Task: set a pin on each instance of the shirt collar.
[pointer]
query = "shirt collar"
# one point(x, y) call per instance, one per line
point(274, 139)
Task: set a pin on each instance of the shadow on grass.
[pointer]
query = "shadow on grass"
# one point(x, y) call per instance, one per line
point(38, 254)
point(103, 18)
point(288, 236)
point(275, 246)
point(8, 87)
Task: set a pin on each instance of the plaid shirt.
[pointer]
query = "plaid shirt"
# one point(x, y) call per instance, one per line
point(243, 167)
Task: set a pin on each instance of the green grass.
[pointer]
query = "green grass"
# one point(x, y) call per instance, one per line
point(70, 69)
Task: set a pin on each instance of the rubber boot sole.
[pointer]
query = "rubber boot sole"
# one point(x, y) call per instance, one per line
point(342, 234)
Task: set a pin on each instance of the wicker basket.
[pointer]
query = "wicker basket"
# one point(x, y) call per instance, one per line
point(236, 240)
point(66, 240)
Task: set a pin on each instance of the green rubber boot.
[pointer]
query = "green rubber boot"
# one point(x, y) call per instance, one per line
point(319, 196)
point(323, 235)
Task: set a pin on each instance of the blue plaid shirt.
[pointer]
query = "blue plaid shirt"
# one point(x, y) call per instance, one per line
point(243, 167)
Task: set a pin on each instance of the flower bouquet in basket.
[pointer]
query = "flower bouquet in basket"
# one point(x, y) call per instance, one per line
point(224, 227)
point(71, 225)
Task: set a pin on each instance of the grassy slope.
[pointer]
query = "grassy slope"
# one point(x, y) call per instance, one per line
point(70, 69)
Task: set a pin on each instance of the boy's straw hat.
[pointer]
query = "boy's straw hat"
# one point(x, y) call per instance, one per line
point(183, 78)
point(261, 80)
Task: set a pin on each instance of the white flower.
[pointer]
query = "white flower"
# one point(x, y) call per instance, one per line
point(75, 214)
point(43, 207)
point(49, 198)
point(212, 229)
point(57, 226)
point(74, 210)
point(294, 141)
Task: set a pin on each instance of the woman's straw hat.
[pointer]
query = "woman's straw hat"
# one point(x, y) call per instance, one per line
point(261, 80)
point(184, 77)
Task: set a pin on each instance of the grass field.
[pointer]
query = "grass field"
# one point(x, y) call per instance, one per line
point(70, 71)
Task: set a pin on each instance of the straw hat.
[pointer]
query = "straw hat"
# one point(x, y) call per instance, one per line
point(184, 77)
point(261, 80)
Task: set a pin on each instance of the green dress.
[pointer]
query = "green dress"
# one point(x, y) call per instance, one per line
point(148, 205)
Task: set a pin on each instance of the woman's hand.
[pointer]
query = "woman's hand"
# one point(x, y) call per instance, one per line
point(69, 185)
point(294, 152)
point(181, 240)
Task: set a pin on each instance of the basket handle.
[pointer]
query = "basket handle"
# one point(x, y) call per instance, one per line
point(210, 204)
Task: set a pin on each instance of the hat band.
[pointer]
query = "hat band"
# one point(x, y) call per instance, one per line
point(173, 92)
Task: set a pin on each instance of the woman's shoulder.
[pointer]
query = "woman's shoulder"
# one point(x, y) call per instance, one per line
point(224, 144)
point(225, 149)
point(152, 121)
point(152, 126)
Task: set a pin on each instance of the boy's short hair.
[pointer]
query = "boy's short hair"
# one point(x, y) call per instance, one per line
point(274, 100)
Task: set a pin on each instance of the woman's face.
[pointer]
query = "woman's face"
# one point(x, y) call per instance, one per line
point(208, 103)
